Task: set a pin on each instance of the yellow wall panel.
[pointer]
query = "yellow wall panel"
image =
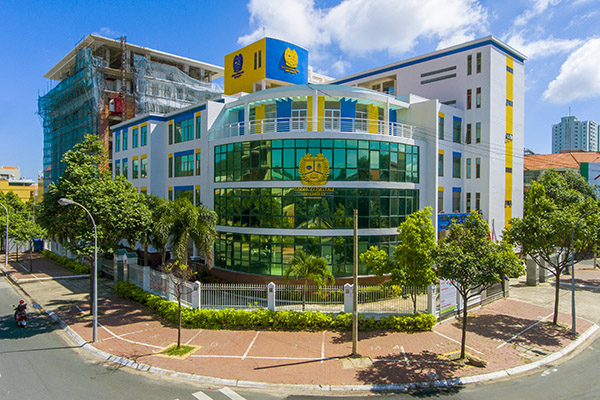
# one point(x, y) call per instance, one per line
point(243, 80)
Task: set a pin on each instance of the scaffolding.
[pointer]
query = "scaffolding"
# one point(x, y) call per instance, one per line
point(70, 111)
point(162, 88)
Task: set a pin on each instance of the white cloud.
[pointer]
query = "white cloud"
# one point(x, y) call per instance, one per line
point(543, 48)
point(579, 76)
point(539, 6)
point(340, 67)
point(108, 32)
point(360, 27)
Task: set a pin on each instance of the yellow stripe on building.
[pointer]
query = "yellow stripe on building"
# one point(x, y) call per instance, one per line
point(509, 142)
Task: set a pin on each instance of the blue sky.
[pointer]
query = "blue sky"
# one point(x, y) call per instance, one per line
point(559, 37)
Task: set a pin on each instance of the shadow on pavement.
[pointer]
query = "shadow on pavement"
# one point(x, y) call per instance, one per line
point(346, 336)
point(36, 325)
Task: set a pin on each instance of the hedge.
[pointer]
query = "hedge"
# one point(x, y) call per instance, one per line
point(271, 320)
point(67, 262)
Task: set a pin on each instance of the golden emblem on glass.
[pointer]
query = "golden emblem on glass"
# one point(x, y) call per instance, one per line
point(291, 61)
point(314, 170)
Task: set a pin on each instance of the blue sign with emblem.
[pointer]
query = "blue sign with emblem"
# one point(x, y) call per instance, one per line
point(286, 62)
point(238, 64)
point(445, 220)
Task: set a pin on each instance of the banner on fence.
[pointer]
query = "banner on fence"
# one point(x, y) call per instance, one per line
point(447, 297)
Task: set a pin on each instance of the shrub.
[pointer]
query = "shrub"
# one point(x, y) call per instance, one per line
point(273, 320)
point(67, 262)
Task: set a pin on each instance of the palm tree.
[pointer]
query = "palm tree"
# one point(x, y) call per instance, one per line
point(197, 223)
point(162, 224)
point(310, 268)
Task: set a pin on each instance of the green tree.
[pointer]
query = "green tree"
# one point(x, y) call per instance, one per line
point(310, 268)
point(25, 230)
point(178, 275)
point(197, 223)
point(473, 263)
point(412, 264)
point(560, 218)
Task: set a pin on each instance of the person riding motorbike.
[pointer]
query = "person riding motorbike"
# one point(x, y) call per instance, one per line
point(21, 308)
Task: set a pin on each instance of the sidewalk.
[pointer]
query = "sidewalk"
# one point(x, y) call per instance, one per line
point(510, 334)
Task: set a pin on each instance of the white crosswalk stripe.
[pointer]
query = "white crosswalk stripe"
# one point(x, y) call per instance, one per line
point(202, 396)
point(231, 394)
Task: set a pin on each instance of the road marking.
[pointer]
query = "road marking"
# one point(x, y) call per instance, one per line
point(231, 394)
point(26, 269)
point(523, 331)
point(249, 347)
point(323, 348)
point(202, 396)
point(257, 357)
point(456, 341)
point(127, 340)
point(404, 354)
point(193, 337)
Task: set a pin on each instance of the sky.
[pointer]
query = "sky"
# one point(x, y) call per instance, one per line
point(559, 37)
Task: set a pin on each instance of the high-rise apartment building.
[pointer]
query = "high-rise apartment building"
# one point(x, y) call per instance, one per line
point(574, 135)
point(104, 81)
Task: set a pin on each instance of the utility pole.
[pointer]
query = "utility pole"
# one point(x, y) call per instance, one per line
point(355, 291)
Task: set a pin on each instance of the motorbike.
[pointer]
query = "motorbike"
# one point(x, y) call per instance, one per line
point(20, 317)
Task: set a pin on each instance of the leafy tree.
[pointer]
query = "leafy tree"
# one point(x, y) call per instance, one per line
point(197, 223)
point(118, 210)
point(310, 268)
point(412, 264)
point(178, 275)
point(25, 230)
point(18, 211)
point(473, 263)
point(560, 218)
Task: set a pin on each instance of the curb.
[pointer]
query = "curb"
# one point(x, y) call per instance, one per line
point(402, 387)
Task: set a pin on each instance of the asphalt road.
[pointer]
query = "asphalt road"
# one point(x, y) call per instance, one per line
point(38, 363)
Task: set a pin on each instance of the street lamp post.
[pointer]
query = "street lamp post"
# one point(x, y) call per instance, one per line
point(573, 318)
point(6, 244)
point(67, 202)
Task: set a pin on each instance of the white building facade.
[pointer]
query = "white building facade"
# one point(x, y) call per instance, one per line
point(574, 135)
point(285, 167)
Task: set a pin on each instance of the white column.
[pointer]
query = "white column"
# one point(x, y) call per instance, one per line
point(271, 296)
point(196, 294)
point(432, 299)
point(146, 279)
point(348, 296)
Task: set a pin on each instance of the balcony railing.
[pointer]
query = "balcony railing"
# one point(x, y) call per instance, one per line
point(342, 124)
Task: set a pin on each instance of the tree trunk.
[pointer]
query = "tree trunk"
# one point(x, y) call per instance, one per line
point(145, 253)
point(304, 294)
point(464, 329)
point(179, 325)
point(30, 257)
point(556, 295)
point(164, 255)
point(17, 252)
point(414, 300)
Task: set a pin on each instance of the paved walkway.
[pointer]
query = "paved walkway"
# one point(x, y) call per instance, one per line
point(508, 333)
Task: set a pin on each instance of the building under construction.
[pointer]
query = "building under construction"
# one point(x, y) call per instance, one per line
point(104, 81)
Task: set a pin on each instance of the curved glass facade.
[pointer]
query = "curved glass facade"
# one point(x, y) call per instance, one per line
point(287, 208)
point(271, 255)
point(349, 160)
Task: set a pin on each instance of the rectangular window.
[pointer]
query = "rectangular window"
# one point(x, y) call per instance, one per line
point(170, 133)
point(441, 164)
point(457, 129)
point(198, 127)
point(478, 98)
point(468, 202)
point(187, 193)
point(469, 96)
point(170, 166)
point(198, 163)
point(125, 140)
point(184, 165)
point(134, 138)
point(198, 201)
point(125, 169)
point(478, 201)
point(117, 142)
point(440, 201)
point(455, 200)
point(144, 135)
point(468, 168)
point(478, 132)
point(468, 135)
point(171, 194)
point(184, 130)
point(143, 190)
point(441, 126)
point(134, 168)
point(456, 161)
point(117, 168)
point(144, 168)
point(299, 115)
point(255, 60)
point(478, 167)
point(259, 58)
point(478, 62)
point(469, 64)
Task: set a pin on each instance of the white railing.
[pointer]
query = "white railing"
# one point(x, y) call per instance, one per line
point(323, 124)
